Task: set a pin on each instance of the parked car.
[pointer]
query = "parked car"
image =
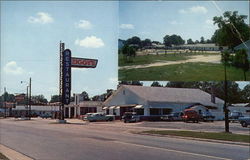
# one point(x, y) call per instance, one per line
point(207, 116)
point(130, 117)
point(175, 116)
point(244, 121)
point(234, 116)
point(191, 115)
point(84, 117)
point(46, 115)
point(100, 117)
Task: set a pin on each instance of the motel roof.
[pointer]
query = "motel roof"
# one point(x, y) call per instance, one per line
point(174, 95)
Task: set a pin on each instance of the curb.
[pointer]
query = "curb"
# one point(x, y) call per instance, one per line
point(197, 139)
point(12, 154)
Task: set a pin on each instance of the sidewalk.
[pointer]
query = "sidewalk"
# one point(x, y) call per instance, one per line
point(12, 154)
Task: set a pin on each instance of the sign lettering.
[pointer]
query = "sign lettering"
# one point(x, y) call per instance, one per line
point(66, 77)
point(83, 62)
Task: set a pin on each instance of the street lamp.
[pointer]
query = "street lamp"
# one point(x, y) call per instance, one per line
point(28, 97)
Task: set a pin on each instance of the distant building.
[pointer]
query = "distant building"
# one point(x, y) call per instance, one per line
point(202, 47)
point(244, 108)
point(157, 101)
point(246, 46)
point(74, 110)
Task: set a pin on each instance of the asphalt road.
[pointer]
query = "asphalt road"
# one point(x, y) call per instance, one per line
point(45, 140)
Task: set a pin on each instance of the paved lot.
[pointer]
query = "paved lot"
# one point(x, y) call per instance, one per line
point(46, 140)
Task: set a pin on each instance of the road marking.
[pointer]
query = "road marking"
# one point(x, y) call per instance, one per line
point(172, 150)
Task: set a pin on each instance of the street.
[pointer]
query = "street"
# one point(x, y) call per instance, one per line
point(46, 140)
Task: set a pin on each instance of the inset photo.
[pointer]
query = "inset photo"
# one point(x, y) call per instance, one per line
point(184, 41)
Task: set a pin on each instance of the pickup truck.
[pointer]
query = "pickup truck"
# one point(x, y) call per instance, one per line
point(244, 121)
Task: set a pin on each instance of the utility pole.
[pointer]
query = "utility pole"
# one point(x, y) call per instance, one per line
point(30, 100)
point(27, 101)
point(61, 49)
point(5, 113)
point(226, 98)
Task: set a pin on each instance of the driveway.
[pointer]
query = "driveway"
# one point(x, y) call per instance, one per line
point(195, 58)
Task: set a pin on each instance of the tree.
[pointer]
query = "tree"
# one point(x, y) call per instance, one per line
point(173, 40)
point(241, 61)
point(196, 42)
point(128, 52)
point(133, 41)
point(232, 29)
point(202, 40)
point(156, 84)
point(54, 98)
point(8, 97)
point(190, 41)
point(39, 99)
point(146, 42)
point(85, 96)
point(246, 94)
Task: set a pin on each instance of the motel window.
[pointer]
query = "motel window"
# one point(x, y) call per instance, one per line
point(155, 111)
point(140, 111)
point(166, 111)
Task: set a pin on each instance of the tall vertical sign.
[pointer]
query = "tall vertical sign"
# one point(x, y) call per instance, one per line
point(61, 107)
point(66, 76)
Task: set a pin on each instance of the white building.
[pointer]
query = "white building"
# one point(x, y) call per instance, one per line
point(156, 101)
point(244, 108)
point(75, 109)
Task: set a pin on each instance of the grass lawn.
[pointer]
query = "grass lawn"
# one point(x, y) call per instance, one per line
point(203, 135)
point(147, 59)
point(2, 157)
point(184, 72)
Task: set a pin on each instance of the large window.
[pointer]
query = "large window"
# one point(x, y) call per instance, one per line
point(166, 111)
point(155, 111)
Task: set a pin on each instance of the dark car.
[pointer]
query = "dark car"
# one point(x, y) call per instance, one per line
point(244, 121)
point(207, 116)
point(234, 116)
point(175, 116)
point(130, 117)
point(191, 115)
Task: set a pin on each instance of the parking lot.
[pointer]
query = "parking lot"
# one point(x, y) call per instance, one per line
point(216, 126)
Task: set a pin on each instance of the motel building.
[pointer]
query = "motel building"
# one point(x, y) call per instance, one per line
point(81, 107)
point(153, 102)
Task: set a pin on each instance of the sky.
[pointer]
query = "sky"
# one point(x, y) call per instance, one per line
point(30, 36)
point(31, 32)
point(189, 19)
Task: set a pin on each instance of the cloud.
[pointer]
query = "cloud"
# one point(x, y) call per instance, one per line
point(41, 18)
point(175, 23)
point(12, 68)
point(127, 26)
point(84, 24)
point(210, 22)
point(90, 42)
point(194, 9)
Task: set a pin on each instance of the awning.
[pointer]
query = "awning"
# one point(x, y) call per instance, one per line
point(105, 108)
point(138, 106)
point(112, 107)
point(118, 107)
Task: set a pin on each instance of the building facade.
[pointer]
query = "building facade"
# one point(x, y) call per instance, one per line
point(157, 101)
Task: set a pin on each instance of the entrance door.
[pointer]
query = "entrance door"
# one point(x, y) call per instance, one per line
point(72, 112)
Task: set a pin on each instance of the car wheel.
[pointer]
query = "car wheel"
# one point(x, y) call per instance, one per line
point(244, 124)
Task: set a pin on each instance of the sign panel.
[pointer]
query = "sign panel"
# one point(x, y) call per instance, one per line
point(83, 62)
point(66, 76)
